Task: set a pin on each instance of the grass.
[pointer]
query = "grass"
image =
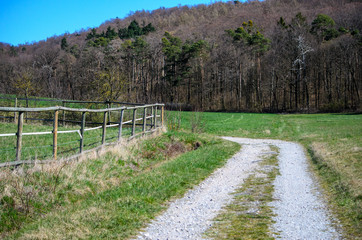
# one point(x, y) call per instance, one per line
point(112, 196)
point(115, 195)
point(334, 142)
point(41, 146)
point(249, 216)
point(42, 102)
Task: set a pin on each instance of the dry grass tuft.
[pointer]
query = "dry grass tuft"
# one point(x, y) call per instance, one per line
point(340, 158)
point(340, 166)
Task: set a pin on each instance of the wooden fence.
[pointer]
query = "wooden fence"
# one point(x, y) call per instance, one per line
point(153, 113)
point(35, 102)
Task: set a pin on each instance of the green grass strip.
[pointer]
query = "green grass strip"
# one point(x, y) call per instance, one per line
point(249, 216)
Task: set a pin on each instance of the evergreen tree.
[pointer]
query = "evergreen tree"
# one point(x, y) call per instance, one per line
point(110, 33)
point(64, 44)
point(134, 30)
point(13, 51)
point(323, 27)
point(172, 48)
point(250, 35)
point(250, 38)
point(92, 34)
point(148, 28)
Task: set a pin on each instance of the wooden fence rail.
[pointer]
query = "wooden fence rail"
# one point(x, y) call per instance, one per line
point(16, 102)
point(150, 108)
point(63, 101)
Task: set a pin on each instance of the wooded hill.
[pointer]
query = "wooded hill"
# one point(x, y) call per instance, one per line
point(271, 56)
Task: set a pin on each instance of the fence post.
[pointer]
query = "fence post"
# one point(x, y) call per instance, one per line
point(27, 106)
point(144, 120)
point(155, 117)
point(107, 104)
point(104, 127)
point(19, 136)
point(120, 125)
point(16, 105)
point(82, 132)
point(109, 113)
point(55, 134)
point(152, 114)
point(134, 121)
point(162, 115)
point(63, 114)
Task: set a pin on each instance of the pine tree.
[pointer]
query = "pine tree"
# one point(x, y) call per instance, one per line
point(323, 27)
point(64, 44)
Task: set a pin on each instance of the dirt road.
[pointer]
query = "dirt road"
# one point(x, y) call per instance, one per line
point(299, 207)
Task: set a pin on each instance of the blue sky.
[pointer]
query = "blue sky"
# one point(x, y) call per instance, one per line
point(25, 21)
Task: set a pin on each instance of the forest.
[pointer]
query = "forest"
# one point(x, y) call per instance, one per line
point(253, 56)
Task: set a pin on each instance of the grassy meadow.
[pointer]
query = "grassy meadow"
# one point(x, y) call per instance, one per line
point(40, 147)
point(8, 100)
point(333, 141)
point(115, 195)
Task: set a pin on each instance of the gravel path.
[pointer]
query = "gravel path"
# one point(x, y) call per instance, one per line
point(300, 212)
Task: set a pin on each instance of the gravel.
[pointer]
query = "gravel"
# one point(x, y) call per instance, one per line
point(300, 212)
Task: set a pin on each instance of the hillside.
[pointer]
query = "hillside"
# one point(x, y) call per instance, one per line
point(271, 56)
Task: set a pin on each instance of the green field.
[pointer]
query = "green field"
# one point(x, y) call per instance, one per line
point(7, 100)
point(115, 195)
point(336, 137)
point(333, 141)
point(40, 147)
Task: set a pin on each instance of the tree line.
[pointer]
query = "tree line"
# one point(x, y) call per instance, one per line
point(270, 56)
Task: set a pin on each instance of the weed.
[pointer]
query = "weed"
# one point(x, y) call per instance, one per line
point(174, 122)
point(23, 193)
point(197, 123)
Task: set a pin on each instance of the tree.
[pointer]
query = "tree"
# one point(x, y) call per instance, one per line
point(24, 83)
point(45, 64)
point(172, 48)
point(64, 44)
point(199, 51)
point(92, 34)
point(141, 55)
point(133, 30)
point(110, 84)
point(323, 27)
point(249, 36)
point(148, 28)
point(110, 33)
point(203, 67)
point(13, 51)
point(300, 64)
point(178, 66)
